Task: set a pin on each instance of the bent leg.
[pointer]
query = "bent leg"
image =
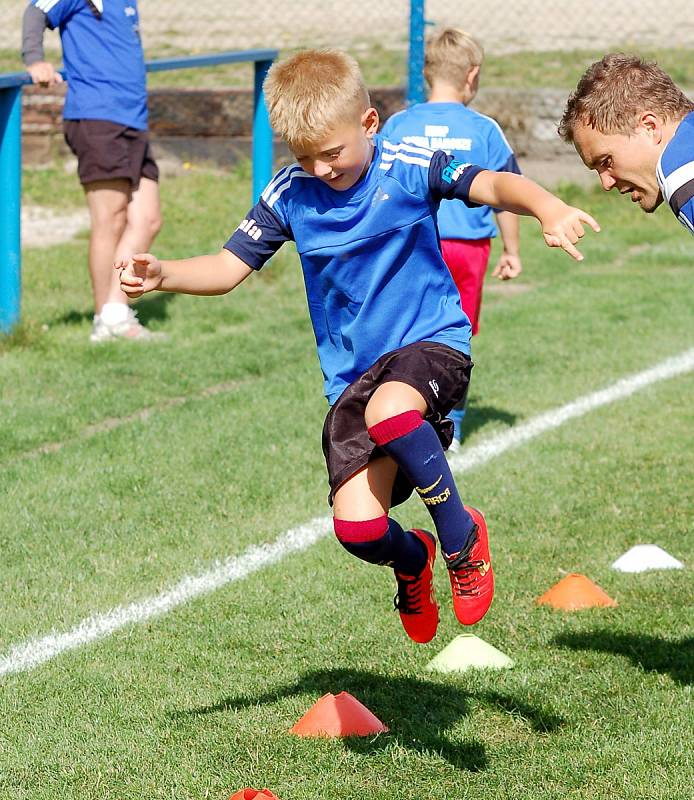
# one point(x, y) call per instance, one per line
point(394, 416)
point(362, 525)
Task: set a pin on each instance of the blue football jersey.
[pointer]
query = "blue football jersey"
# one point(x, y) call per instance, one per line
point(375, 279)
point(103, 59)
point(675, 172)
point(468, 136)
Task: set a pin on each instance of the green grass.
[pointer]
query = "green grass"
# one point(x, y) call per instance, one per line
point(383, 66)
point(103, 506)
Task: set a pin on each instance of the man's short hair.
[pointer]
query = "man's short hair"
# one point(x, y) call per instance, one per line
point(450, 55)
point(311, 93)
point(614, 91)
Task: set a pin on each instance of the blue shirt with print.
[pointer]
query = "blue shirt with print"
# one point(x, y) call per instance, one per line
point(470, 137)
point(103, 58)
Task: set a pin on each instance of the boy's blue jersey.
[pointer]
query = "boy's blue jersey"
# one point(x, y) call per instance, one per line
point(675, 172)
point(103, 59)
point(470, 137)
point(375, 279)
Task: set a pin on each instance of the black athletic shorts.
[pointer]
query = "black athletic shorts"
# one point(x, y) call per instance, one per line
point(108, 151)
point(438, 372)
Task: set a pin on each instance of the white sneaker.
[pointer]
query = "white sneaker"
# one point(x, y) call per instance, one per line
point(129, 328)
point(453, 447)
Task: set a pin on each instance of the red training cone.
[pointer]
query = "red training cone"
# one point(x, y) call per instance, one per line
point(574, 592)
point(338, 715)
point(253, 794)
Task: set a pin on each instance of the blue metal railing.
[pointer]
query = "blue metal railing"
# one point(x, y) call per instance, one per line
point(11, 85)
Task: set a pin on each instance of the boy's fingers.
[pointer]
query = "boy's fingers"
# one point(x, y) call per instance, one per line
point(571, 250)
point(584, 217)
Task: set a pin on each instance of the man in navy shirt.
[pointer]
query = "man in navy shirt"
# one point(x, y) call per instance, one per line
point(393, 341)
point(105, 125)
point(633, 126)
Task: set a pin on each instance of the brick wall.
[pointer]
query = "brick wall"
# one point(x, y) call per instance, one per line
point(216, 124)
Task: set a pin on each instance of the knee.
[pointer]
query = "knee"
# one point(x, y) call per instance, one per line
point(368, 540)
point(152, 224)
point(110, 222)
point(390, 400)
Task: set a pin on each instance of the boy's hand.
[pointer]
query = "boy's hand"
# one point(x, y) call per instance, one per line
point(139, 274)
point(561, 227)
point(508, 267)
point(43, 73)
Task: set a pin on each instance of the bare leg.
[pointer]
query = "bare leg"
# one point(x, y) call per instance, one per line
point(366, 495)
point(143, 220)
point(108, 204)
point(393, 398)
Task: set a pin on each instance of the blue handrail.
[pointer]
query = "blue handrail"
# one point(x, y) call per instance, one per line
point(11, 85)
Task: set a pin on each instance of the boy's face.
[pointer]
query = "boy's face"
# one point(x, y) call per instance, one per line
point(344, 155)
point(625, 162)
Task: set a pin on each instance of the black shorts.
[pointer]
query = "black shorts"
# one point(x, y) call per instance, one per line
point(438, 372)
point(108, 151)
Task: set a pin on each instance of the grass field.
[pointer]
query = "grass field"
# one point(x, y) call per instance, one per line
point(124, 469)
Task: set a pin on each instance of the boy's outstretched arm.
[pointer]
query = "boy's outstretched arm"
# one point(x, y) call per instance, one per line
point(201, 275)
point(561, 224)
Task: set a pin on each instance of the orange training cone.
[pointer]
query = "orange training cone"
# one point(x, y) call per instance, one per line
point(338, 715)
point(574, 592)
point(253, 794)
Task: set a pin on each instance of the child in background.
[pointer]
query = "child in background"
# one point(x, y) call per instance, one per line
point(393, 341)
point(452, 64)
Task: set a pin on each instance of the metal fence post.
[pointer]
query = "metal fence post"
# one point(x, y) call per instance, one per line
point(415, 77)
point(10, 186)
point(262, 133)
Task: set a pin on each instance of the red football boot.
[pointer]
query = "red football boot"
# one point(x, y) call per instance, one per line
point(471, 574)
point(415, 600)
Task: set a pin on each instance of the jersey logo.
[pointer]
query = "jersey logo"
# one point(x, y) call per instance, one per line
point(434, 387)
point(453, 171)
point(380, 196)
point(429, 488)
point(250, 227)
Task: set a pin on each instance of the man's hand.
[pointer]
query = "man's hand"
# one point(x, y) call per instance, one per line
point(43, 73)
point(508, 267)
point(562, 227)
point(139, 274)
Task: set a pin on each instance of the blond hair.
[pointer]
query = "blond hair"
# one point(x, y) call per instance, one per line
point(615, 90)
point(450, 55)
point(309, 94)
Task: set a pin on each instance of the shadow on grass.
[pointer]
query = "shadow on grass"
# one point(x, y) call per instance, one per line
point(418, 712)
point(672, 656)
point(477, 417)
point(153, 307)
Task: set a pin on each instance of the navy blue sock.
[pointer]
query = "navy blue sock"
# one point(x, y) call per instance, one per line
point(382, 541)
point(415, 447)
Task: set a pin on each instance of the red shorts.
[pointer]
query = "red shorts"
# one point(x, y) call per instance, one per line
point(467, 261)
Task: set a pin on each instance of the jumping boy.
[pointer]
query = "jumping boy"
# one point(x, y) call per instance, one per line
point(452, 64)
point(633, 126)
point(393, 342)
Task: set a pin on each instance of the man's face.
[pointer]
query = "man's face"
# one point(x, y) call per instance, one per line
point(344, 155)
point(626, 162)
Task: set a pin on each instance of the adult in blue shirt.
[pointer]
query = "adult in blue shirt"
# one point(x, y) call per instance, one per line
point(105, 125)
point(633, 126)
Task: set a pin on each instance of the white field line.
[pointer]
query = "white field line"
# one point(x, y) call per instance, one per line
point(36, 651)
